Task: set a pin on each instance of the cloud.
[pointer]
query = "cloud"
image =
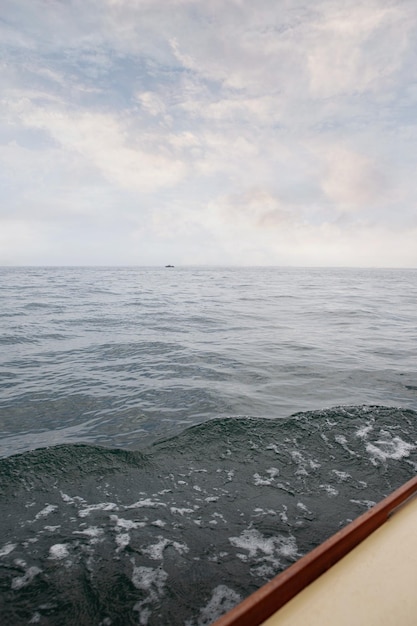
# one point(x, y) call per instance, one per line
point(352, 181)
point(357, 48)
point(216, 132)
point(111, 145)
point(262, 229)
point(255, 208)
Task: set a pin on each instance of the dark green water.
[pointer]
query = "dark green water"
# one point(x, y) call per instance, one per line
point(178, 532)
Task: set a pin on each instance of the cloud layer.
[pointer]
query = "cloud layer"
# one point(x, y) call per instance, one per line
point(146, 131)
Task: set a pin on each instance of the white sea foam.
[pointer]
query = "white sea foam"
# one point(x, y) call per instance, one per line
point(341, 440)
point(156, 550)
point(257, 545)
point(264, 571)
point(102, 506)
point(149, 578)
point(220, 516)
point(181, 548)
point(258, 481)
point(304, 464)
point(216, 557)
point(72, 499)
point(122, 540)
point(58, 551)
point(258, 512)
point(273, 472)
point(23, 581)
point(283, 514)
point(229, 474)
point(181, 511)
point(50, 508)
point(342, 475)
point(389, 448)
point(330, 490)
point(95, 533)
point(27, 543)
point(222, 600)
point(144, 503)
point(152, 582)
point(35, 619)
point(126, 524)
point(7, 548)
point(364, 431)
point(366, 503)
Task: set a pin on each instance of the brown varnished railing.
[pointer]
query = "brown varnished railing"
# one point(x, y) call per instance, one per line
point(272, 596)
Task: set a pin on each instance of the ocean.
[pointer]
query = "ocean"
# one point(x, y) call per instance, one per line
point(172, 438)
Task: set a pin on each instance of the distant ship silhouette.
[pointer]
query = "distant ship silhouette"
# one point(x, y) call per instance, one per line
point(169, 265)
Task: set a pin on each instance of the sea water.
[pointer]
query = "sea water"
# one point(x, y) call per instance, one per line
point(173, 438)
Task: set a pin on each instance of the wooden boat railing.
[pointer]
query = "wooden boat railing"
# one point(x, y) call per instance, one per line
point(268, 599)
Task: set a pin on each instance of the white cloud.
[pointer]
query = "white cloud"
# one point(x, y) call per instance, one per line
point(218, 132)
point(352, 181)
point(107, 142)
point(255, 208)
point(357, 48)
point(153, 103)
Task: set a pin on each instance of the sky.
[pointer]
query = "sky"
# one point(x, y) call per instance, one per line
point(208, 132)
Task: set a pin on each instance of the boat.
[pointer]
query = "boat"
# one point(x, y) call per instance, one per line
point(364, 574)
point(169, 265)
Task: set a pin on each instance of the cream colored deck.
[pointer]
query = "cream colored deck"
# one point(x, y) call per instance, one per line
point(374, 585)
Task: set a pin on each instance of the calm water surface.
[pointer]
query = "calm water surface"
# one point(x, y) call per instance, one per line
point(121, 356)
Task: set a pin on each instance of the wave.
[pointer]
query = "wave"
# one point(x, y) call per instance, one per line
point(181, 530)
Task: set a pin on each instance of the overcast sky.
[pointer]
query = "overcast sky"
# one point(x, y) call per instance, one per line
point(267, 132)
